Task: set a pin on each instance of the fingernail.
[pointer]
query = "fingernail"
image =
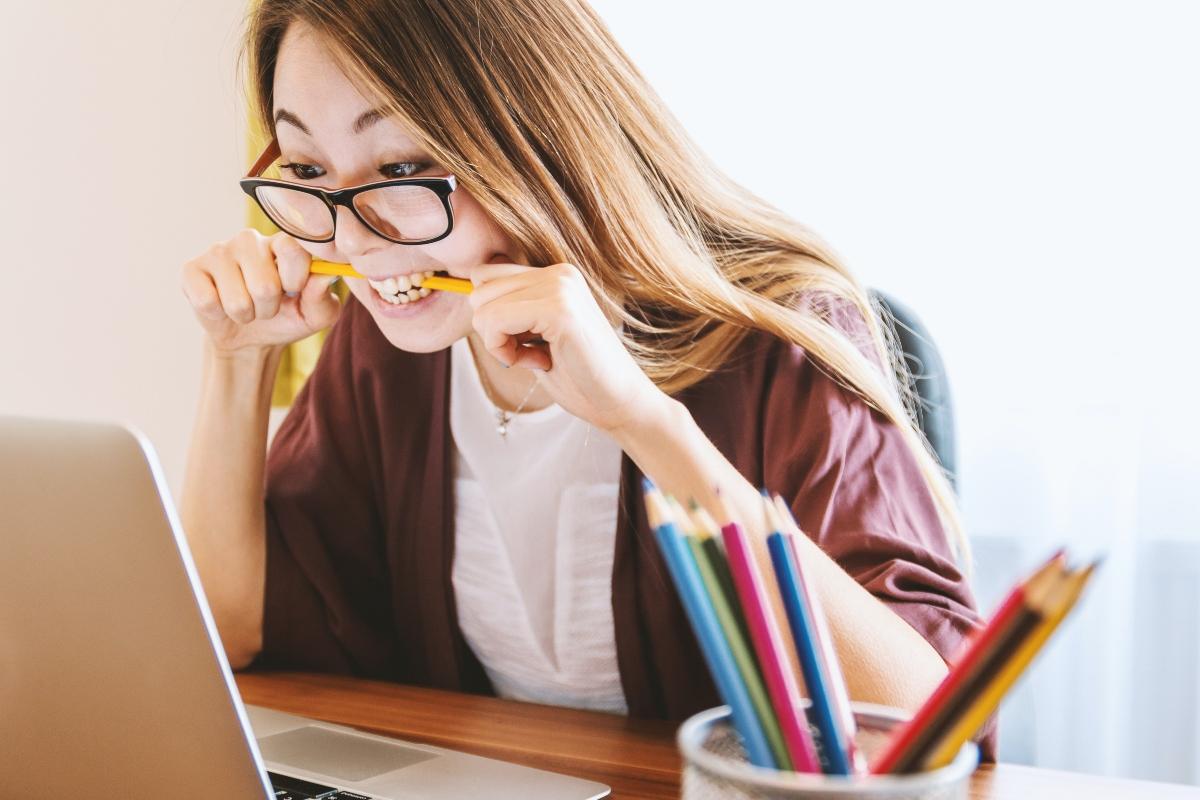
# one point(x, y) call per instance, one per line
point(291, 294)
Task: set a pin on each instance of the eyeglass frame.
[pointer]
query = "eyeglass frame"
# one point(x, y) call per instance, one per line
point(442, 187)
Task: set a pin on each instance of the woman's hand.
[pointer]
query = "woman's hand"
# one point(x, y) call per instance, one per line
point(587, 369)
point(255, 292)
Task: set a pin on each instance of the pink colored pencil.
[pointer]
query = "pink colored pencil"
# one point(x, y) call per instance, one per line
point(768, 644)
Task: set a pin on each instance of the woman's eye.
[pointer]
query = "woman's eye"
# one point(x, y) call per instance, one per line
point(401, 169)
point(304, 172)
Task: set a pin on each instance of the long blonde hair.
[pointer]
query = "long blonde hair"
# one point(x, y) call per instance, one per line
point(548, 124)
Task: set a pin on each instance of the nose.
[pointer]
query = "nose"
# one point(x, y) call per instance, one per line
point(353, 239)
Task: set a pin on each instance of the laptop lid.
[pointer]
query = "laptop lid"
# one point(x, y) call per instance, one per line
point(113, 683)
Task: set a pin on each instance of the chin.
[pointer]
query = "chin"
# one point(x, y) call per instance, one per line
point(418, 341)
point(432, 324)
point(423, 334)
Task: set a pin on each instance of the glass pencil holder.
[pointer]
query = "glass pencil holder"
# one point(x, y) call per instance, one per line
point(715, 766)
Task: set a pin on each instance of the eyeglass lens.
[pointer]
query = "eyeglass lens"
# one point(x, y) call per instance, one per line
point(403, 213)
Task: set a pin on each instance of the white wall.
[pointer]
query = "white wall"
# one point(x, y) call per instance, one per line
point(121, 151)
point(1026, 175)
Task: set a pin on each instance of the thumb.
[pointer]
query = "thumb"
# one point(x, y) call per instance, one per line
point(319, 306)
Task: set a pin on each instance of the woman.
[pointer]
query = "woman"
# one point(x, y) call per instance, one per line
point(453, 499)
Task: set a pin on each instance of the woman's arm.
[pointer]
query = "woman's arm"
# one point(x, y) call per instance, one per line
point(587, 370)
point(222, 502)
point(252, 295)
point(885, 660)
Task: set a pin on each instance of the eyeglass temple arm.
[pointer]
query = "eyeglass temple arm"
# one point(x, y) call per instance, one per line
point(264, 161)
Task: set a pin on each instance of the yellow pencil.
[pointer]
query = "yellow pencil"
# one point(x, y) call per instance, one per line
point(1060, 602)
point(456, 285)
point(330, 268)
point(445, 284)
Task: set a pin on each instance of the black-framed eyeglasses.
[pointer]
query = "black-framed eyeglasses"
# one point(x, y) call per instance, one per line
point(401, 210)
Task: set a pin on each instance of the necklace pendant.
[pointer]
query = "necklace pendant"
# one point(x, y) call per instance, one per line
point(502, 419)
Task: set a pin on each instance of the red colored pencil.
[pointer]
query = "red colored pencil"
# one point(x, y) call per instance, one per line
point(975, 655)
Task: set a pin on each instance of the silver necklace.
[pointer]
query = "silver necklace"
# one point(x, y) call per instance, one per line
point(503, 418)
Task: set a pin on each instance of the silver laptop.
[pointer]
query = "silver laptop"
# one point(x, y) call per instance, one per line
point(113, 683)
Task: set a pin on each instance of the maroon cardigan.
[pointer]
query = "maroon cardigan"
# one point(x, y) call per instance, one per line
point(360, 519)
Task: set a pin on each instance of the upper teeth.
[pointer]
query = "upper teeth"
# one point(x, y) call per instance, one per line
point(402, 288)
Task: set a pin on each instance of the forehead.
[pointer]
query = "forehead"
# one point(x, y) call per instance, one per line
point(310, 84)
point(307, 73)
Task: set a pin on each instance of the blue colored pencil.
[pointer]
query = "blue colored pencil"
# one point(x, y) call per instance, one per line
point(703, 618)
point(832, 750)
point(839, 697)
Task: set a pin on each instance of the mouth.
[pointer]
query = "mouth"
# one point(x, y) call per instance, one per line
point(402, 289)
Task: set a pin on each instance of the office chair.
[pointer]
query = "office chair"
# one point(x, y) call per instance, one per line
point(935, 412)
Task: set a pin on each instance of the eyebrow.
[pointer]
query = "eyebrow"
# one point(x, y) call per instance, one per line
point(364, 121)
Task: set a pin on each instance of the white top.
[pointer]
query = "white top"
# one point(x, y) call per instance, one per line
point(535, 518)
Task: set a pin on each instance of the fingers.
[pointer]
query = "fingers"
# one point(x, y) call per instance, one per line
point(245, 277)
point(533, 356)
point(201, 292)
point(259, 273)
point(231, 288)
point(292, 262)
point(515, 306)
point(506, 328)
point(492, 280)
point(318, 306)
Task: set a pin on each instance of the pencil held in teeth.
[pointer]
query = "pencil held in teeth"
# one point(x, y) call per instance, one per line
point(427, 280)
point(446, 284)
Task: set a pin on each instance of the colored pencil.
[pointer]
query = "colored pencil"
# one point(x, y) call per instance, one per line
point(439, 282)
point(447, 284)
point(832, 745)
point(702, 616)
point(769, 644)
point(1057, 605)
point(705, 528)
point(319, 267)
point(779, 516)
point(728, 609)
point(910, 743)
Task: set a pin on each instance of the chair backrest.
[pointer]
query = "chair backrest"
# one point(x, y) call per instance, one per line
point(935, 412)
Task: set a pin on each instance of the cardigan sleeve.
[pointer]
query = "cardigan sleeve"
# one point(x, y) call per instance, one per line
point(856, 489)
point(322, 605)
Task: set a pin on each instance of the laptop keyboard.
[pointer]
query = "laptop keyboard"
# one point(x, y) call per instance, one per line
point(289, 788)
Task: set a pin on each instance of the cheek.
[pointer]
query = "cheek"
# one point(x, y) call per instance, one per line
point(476, 236)
point(361, 290)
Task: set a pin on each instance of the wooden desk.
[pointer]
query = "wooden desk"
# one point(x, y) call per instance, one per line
point(637, 758)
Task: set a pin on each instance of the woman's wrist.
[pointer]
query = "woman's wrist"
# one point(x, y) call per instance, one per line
point(245, 376)
point(648, 421)
point(259, 356)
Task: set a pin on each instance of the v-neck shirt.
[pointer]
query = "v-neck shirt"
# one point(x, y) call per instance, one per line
point(535, 525)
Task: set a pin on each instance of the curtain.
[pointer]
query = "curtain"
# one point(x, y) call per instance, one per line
point(1115, 692)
